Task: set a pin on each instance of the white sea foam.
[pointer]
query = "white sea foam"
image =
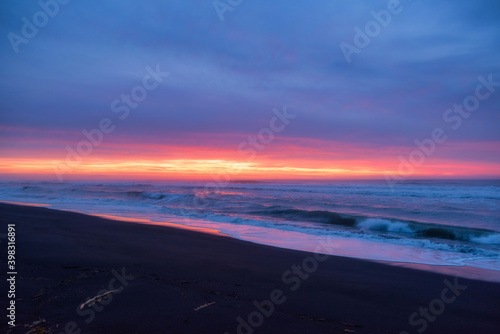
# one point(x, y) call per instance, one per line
point(492, 239)
point(377, 224)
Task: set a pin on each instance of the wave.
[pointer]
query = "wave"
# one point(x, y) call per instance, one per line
point(30, 188)
point(144, 194)
point(416, 229)
point(316, 216)
point(491, 239)
point(429, 244)
point(384, 225)
point(157, 196)
point(410, 229)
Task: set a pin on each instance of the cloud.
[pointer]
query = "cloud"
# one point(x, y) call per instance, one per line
point(227, 76)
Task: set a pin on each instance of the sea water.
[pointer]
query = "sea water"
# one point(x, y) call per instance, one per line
point(433, 223)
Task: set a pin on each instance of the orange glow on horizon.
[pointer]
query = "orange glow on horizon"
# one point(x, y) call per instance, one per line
point(201, 169)
point(284, 158)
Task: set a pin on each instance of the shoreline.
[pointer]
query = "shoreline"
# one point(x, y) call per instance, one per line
point(464, 271)
point(190, 282)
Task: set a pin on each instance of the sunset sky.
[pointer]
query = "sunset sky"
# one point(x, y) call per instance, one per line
point(231, 81)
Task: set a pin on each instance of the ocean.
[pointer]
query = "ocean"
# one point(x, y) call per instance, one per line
point(430, 224)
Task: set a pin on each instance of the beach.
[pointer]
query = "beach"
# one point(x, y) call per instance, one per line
point(155, 279)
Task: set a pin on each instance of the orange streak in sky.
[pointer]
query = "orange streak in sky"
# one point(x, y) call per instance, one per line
point(140, 168)
point(284, 158)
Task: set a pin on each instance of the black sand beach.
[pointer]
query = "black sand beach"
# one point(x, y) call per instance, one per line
point(167, 280)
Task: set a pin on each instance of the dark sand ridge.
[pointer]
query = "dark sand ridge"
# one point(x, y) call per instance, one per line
point(190, 282)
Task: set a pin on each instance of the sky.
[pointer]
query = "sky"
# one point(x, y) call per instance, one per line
point(283, 89)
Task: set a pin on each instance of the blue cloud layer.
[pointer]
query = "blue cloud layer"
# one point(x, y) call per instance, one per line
point(227, 76)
